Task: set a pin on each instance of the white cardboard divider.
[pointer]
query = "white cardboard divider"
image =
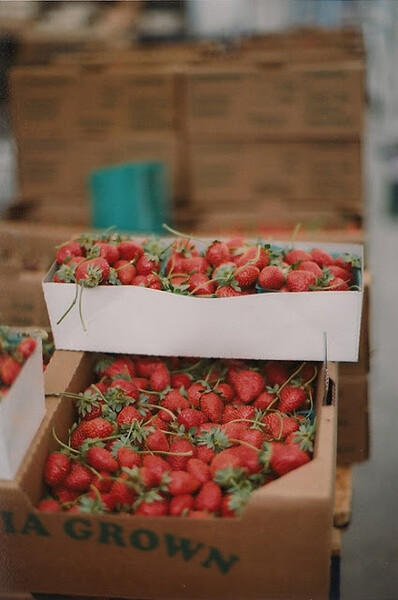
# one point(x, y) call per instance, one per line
point(22, 410)
point(278, 326)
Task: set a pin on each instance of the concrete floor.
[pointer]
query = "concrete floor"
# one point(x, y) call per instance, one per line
point(370, 545)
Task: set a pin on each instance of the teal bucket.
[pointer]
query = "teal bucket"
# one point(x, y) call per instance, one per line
point(131, 197)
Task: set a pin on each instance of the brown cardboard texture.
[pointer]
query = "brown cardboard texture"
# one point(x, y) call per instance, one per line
point(288, 521)
point(353, 429)
point(22, 300)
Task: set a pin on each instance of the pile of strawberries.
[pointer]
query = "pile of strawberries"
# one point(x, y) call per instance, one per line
point(181, 436)
point(216, 269)
point(15, 349)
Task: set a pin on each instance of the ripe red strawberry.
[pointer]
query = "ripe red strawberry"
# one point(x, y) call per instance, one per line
point(109, 500)
point(157, 465)
point(251, 254)
point(226, 510)
point(129, 250)
point(311, 266)
point(212, 406)
point(78, 479)
point(153, 282)
point(65, 496)
point(190, 417)
point(157, 508)
point(248, 458)
point(200, 284)
point(179, 463)
point(78, 436)
point(223, 460)
point(49, 505)
point(26, 347)
point(225, 391)
point(235, 242)
point(342, 273)
point(173, 401)
point(209, 498)
point(231, 413)
point(249, 384)
point(127, 457)
point(127, 415)
point(175, 263)
point(108, 251)
point(195, 264)
point(103, 482)
point(9, 370)
point(146, 366)
point(68, 250)
point(254, 437)
point(234, 430)
point(205, 454)
point(128, 388)
point(148, 478)
point(199, 469)
point(271, 277)
point(337, 285)
point(287, 457)
point(344, 262)
point(264, 400)
point(101, 459)
point(92, 272)
point(145, 265)
point(56, 468)
point(160, 378)
point(226, 291)
point(280, 426)
point(291, 399)
point(180, 504)
point(126, 272)
point(141, 382)
point(276, 372)
point(182, 482)
point(124, 492)
point(179, 380)
point(195, 392)
point(295, 256)
point(321, 257)
point(139, 280)
point(218, 253)
point(157, 441)
point(121, 367)
point(300, 281)
point(246, 277)
point(97, 428)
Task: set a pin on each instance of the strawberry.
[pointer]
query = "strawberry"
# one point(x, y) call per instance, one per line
point(212, 406)
point(234, 430)
point(345, 262)
point(179, 380)
point(225, 459)
point(68, 250)
point(92, 272)
point(160, 378)
point(226, 510)
point(195, 264)
point(249, 384)
point(296, 256)
point(153, 281)
point(97, 428)
point(25, 348)
point(146, 366)
point(287, 457)
point(124, 492)
point(175, 263)
point(180, 504)
point(182, 482)
point(264, 400)
point(209, 498)
point(103, 481)
point(129, 250)
point(49, 505)
point(146, 265)
point(225, 391)
point(254, 437)
point(157, 440)
point(312, 267)
point(291, 399)
point(141, 382)
point(337, 285)
point(271, 277)
point(257, 254)
point(139, 280)
point(78, 479)
point(77, 436)
point(116, 368)
point(57, 467)
point(127, 388)
point(179, 463)
point(226, 291)
point(65, 496)
point(127, 457)
point(217, 254)
point(109, 500)
point(157, 508)
point(190, 417)
point(280, 426)
point(231, 413)
point(276, 372)
point(300, 281)
point(101, 459)
point(248, 458)
point(195, 392)
point(236, 242)
point(173, 401)
point(157, 465)
point(200, 284)
point(185, 247)
point(127, 415)
point(199, 469)
point(148, 478)
point(342, 273)
point(321, 257)
point(205, 454)
point(247, 276)
point(107, 251)
point(126, 272)
point(9, 370)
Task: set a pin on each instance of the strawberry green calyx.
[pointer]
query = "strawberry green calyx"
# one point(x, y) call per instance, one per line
point(215, 438)
point(91, 505)
point(305, 436)
point(66, 273)
point(114, 277)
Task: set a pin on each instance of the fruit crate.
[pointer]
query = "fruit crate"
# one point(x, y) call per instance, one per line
point(114, 555)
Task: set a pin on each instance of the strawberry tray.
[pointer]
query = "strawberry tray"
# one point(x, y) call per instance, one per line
point(280, 326)
point(22, 409)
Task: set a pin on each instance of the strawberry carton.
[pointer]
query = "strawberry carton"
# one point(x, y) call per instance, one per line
point(235, 298)
point(22, 406)
point(277, 548)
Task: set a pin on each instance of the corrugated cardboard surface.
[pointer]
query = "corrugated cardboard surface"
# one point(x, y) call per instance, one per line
point(22, 300)
point(353, 427)
point(115, 555)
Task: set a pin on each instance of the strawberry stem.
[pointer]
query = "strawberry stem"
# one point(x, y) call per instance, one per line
point(69, 448)
point(80, 309)
point(292, 376)
point(71, 306)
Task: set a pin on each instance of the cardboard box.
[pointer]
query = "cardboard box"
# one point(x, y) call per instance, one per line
point(194, 558)
point(43, 101)
point(22, 410)
point(353, 419)
point(273, 326)
point(22, 300)
point(62, 214)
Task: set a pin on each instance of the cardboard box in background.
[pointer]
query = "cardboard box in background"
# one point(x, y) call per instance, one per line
point(46, 210)
point(22, 301)
point(362, 367)
point(195, 558)
point(353, 427)
point(44, 100)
